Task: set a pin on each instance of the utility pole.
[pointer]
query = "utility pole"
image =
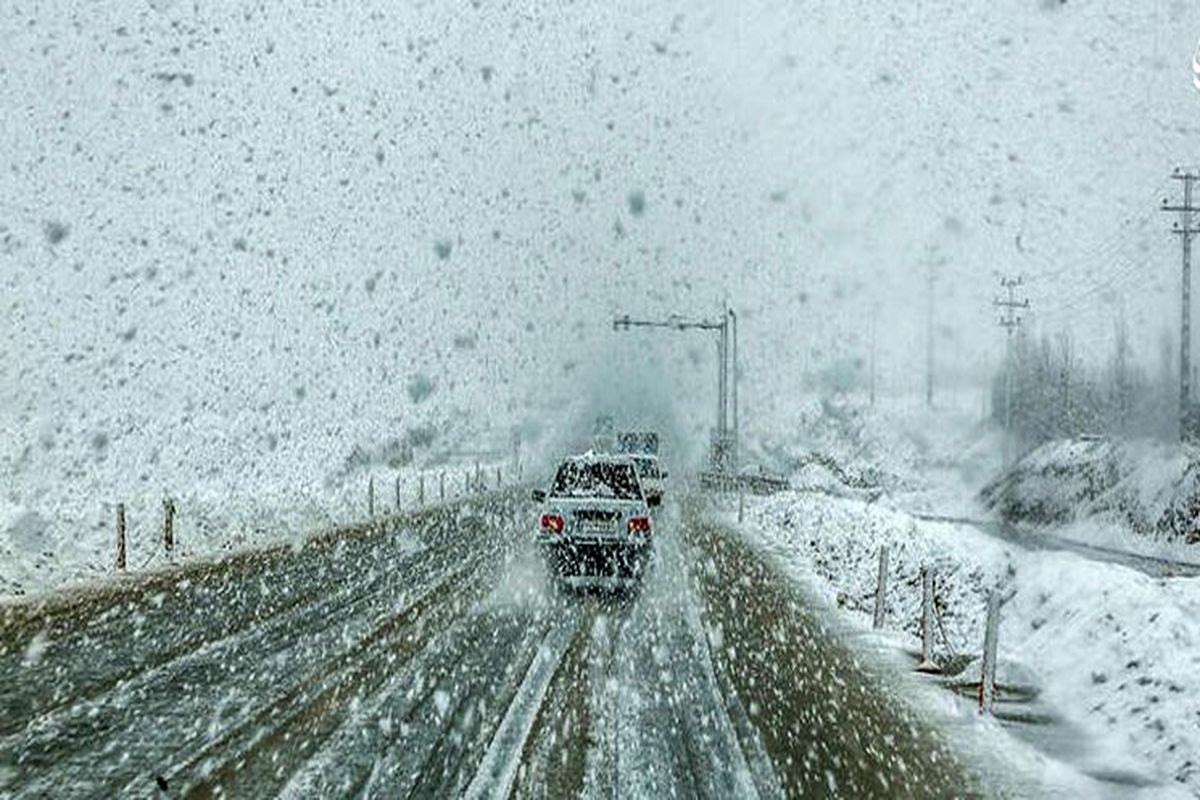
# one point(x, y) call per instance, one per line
point(874, 314)
point(1010, 321)
point(929, 335)
point(724, 450)
point(1185, 228)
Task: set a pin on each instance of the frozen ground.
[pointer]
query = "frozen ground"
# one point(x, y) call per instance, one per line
point(1113, 654)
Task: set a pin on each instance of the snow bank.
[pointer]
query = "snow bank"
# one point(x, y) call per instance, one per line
point(1116, 650)
point(1147, 487)
point(74, 541)
point(1113, 651)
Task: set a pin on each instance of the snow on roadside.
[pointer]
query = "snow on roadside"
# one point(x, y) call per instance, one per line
point(1112, 650)
point(924, 460)
point(1096, 532)
point(1135, 494)
point(40, 554)
point(1117, 650)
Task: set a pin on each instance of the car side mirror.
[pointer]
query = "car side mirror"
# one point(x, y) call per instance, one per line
point(654, 500)
point(538, 496)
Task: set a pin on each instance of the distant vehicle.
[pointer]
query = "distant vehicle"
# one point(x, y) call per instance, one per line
point(596, 518)
point(603, 438)
point(651, 474)
point(638, 442)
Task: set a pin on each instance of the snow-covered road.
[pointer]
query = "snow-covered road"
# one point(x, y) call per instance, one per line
point(428, 657)
point(1041, 539)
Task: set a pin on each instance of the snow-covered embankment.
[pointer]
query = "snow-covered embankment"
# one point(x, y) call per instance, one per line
point(1113, 651)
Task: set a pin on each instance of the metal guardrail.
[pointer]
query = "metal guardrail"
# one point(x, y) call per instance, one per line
point(755, 484)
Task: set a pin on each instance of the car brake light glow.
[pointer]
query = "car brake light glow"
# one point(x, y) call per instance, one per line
point(553, 523)
point(639, 524)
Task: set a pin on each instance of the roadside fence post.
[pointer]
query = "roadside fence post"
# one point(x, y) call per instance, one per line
point(371, 497)
point(741, 502)
point(168, 524)
point(421, 490)
point(467, 482)
point(121, 537)
point(927, 663)
point(881, 587)
point(497, 477)
point(478, 478)
point(397, 494)
point(987, 682)
point(442, 485)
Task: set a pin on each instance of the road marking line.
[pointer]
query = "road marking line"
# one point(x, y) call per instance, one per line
point(498, 769)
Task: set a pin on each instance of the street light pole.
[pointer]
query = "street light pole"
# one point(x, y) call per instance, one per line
point(736, 437)
point(723, 382)
point(724, 393)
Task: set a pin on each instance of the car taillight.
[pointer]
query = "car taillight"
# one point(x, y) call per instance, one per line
point(639, 524)
point(553, 523)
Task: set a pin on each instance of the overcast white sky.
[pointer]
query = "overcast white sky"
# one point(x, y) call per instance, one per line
point(277, 218)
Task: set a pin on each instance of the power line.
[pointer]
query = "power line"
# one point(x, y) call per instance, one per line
point(1084, 264)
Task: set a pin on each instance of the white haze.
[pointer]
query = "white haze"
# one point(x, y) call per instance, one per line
point(235, 244)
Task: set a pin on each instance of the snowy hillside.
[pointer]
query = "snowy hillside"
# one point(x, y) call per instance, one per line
point(1146, 487)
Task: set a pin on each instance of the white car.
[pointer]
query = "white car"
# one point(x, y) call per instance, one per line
point(596, 518)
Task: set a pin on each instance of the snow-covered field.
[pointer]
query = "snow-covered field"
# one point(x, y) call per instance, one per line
point(40, 553)
point(1113, 652)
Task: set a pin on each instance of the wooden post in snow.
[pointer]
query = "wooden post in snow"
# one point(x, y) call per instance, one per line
point(168, 524)
point(987, 681)
point(927, 663)
point(442, 485)
point(397, 494)
point(497, 477)
point(881, 588)
point(121, 537)
point(741, 502)
point(371, 497)
point(421, 490)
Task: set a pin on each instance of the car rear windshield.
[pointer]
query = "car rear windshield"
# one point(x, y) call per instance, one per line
point(596, 479)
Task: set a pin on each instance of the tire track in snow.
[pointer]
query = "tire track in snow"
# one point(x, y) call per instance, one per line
point(706, 737)
point(359, 757)
point(87, 632)
point(498, 770)
point(185, 705)
point(55, 729)
point(660, 718)
point(247, 757)
point(428, 728)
